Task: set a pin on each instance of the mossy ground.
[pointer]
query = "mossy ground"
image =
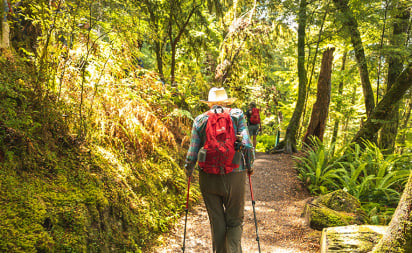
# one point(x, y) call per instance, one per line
point(62, 193)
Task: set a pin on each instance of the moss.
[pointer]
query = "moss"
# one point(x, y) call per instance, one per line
point(86, 212)
point(62, 193)
point(339, 200)
point(322, 217)
point(334, 209)
point(360, 239)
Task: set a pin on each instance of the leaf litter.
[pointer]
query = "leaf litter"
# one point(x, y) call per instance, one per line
point(280, 198)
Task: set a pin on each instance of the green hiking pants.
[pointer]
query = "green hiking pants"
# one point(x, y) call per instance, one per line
point(224, 197)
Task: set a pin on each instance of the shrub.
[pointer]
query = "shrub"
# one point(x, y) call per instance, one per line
point(265, 142)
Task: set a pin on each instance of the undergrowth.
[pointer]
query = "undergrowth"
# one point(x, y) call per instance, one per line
point(375, 179)
point(113, 187)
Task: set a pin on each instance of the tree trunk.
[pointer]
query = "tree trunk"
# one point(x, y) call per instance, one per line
point(349, 115)
point(406, 116)
point(290, 138)
point(158, 40)
point(313, 67)
point(390, 129)
point(159, 61)
point(338, 105)
point(320, 109)
point(174, 41)
point(383, 111)
point(398, 237)
point(350, 23)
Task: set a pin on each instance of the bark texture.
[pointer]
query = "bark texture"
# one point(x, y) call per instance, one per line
point(400, 27)
point(351, 26)
point(320, 109)
point(382, 112)
point(398, 237)
point(292, 129)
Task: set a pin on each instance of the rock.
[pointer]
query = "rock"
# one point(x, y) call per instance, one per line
point(353, 238)
point(337, 208)
point(339, 200)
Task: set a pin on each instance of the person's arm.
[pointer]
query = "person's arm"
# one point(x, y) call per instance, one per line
point(195, 144)
point(248, 150)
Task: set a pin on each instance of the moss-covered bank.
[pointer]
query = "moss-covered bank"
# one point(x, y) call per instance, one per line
point(63, 193)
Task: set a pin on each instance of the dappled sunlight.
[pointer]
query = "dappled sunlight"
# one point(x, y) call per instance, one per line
point(278, 207)
point(286, 231)
point(120, 173)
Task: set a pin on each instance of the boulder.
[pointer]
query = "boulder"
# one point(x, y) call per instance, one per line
point(337, 208)
point(339, 200)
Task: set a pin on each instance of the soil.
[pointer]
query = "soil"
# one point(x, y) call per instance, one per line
point(279, 202)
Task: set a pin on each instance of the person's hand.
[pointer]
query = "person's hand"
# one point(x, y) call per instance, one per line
point(250, 172)
point(189, 169)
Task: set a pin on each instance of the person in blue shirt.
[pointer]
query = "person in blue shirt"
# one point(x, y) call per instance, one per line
point(223, 194)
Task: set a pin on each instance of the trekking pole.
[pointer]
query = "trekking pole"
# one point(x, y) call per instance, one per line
point(186, 210)
point(254, 211)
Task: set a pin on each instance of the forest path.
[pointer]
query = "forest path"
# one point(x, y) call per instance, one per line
point(280, 200)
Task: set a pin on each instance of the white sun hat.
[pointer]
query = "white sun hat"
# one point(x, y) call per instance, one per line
point(218, 96)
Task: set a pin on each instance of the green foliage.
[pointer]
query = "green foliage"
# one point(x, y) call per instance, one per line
point(319, 169)
point(378, 213)
point(265, 142)
point(375, 179)
point(116, 188)
point(92, 139)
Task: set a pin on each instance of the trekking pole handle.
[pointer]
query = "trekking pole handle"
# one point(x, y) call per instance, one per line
point(251, 190)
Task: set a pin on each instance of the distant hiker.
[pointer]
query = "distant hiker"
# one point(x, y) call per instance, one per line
point(222, 171)
point(5, 29)
point(253, 120)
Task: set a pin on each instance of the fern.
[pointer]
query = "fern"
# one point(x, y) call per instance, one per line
point(320, 170)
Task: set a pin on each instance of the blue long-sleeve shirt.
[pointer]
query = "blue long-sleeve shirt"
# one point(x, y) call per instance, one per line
point(199, 132)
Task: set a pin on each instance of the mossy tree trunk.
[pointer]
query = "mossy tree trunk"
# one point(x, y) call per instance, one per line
point(390, 129)
point(398, 237)
point(383, 111)
point(406, 116)
point(320, 109)
point(351, 26)
point(292, 129)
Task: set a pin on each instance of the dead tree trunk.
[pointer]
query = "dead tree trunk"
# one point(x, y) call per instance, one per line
point(398, 237)
point(320, 109)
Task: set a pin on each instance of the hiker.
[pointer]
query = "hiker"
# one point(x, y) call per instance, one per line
point(253, 121)
point(223, 184)
point(5, 29)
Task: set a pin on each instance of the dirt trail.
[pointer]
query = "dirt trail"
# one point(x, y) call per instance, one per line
point(279, 203)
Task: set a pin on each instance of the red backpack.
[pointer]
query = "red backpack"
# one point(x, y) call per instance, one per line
point(219, 148)
point(255, 117)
